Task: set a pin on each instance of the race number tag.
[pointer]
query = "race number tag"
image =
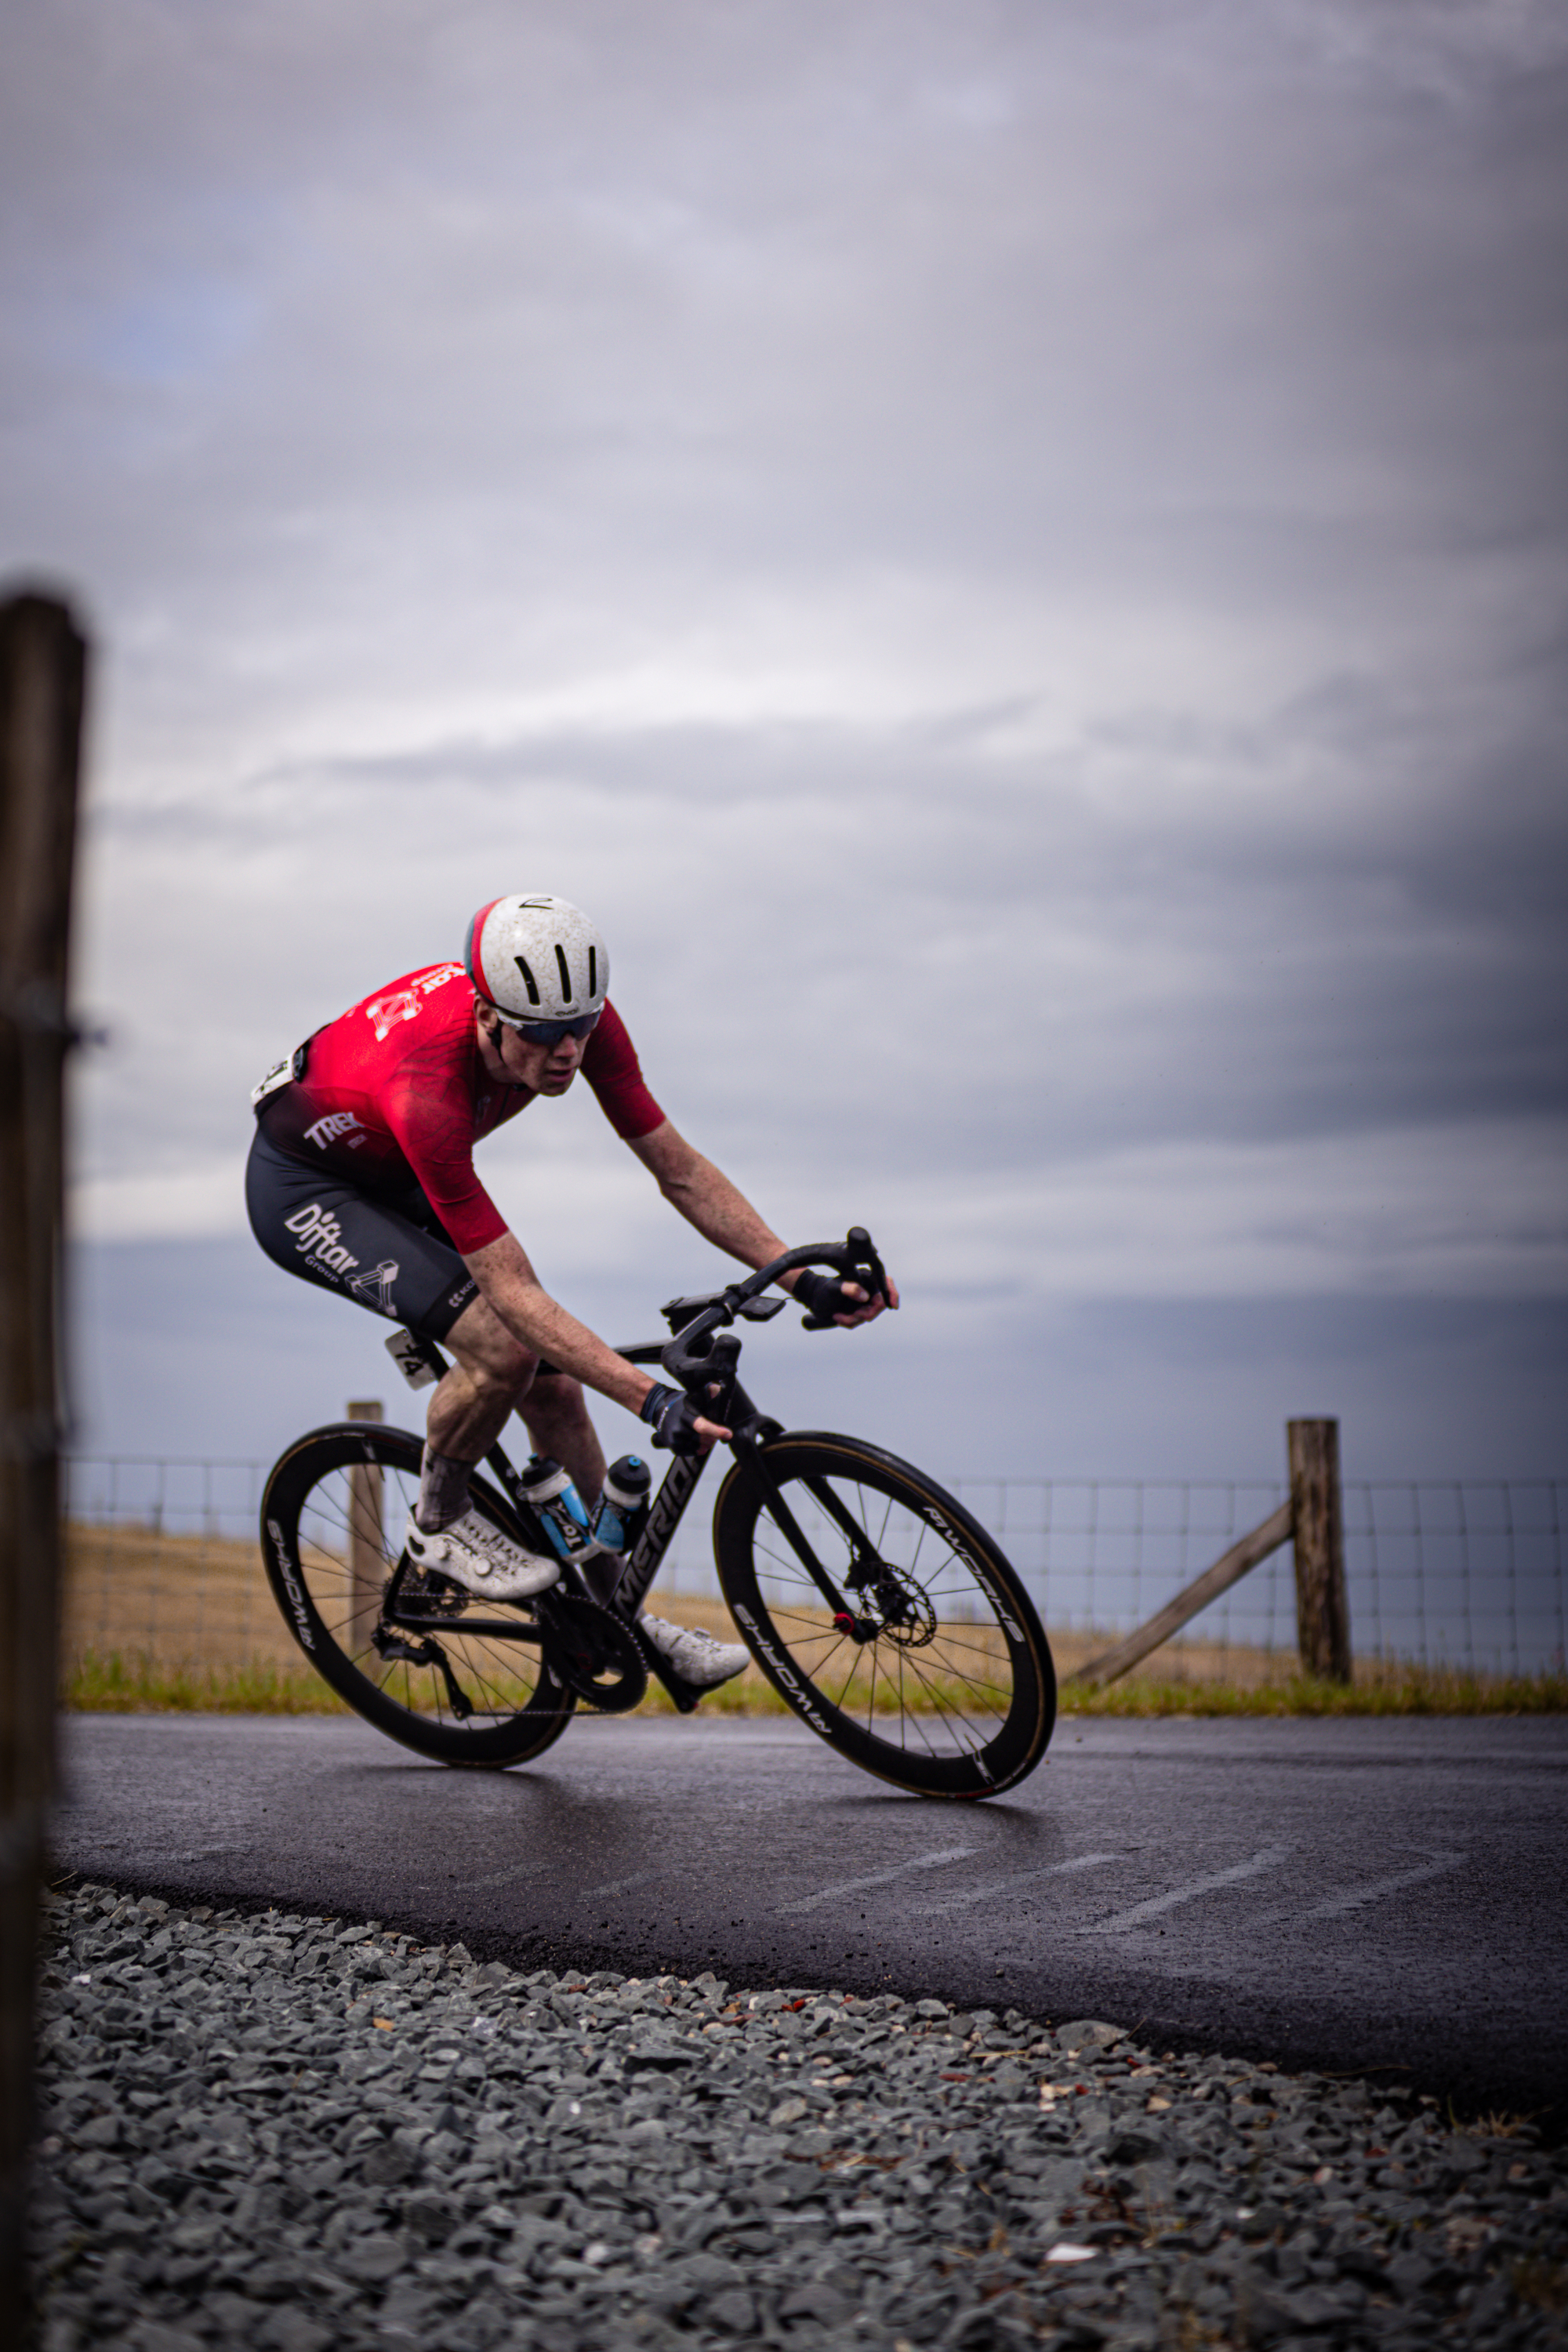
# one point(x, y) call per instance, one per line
point(279, 1075)
point(407, 1353)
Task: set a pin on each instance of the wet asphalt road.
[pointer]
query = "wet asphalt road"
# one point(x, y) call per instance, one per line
point(1344, 1895)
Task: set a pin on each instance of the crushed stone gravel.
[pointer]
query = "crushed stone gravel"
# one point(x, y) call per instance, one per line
point(302, 2134)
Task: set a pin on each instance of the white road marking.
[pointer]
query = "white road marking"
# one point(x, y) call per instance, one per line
point(625, 1886)
point(878, 1878)
point(1120, 1921)
point(1005, 1885)
point(497, 1877)
point(1336, 1905)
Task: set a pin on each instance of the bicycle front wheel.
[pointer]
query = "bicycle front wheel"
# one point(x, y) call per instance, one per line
point(332, 1520)
point(936, 1674)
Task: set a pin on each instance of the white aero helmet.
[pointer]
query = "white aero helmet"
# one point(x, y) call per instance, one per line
point(538, 959)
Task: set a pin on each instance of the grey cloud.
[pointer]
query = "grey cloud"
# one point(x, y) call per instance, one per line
point(1013, 556)
point(959, 925)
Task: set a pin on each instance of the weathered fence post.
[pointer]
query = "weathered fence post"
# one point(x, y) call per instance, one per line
point(1322, 1612)
point(43, 663)
point(367, 1560)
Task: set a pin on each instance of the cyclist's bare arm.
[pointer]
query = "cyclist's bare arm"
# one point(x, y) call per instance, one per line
point(720, 1213)
point(510, 1285)
point(706, 1198)
point(513, 1291)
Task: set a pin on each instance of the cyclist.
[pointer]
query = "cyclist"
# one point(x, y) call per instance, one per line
point(361, 1178)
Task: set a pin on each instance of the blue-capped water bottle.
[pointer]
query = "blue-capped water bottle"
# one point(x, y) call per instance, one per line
point(557, 1506)
point(623, 1508)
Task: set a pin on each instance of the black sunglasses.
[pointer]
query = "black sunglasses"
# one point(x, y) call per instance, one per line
point(550, 1033)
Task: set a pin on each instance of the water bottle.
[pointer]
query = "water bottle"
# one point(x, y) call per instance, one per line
point(622, 1514)
point(557, 1506)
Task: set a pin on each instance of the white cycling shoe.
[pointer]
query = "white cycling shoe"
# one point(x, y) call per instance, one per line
point(696, 1656)
point(476, 1555)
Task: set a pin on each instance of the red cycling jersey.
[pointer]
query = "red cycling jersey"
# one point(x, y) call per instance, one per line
point(394, 1094)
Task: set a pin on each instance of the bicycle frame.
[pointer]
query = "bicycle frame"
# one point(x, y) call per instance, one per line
point(700, 1355)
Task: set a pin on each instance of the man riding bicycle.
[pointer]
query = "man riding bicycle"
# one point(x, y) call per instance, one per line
point(360, 1179)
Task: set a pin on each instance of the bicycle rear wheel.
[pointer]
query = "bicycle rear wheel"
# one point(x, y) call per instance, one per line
point(944, 1685)
point(333, 1518)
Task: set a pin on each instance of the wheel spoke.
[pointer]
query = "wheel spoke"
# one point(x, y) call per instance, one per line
point(341, 1562)
point(940, 1690)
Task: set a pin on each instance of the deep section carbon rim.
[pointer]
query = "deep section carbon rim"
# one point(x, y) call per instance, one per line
point(944, 1682)
point(332, 1520)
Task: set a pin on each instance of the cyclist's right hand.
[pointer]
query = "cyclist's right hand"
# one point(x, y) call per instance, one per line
point(676, 1421)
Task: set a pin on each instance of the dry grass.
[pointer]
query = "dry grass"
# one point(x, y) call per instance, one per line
point(169, 1622)
point(194, 1601)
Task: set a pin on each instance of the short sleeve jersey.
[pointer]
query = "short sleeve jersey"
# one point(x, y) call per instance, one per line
point(394, 1094)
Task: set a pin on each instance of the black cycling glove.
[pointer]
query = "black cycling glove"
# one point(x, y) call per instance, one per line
point(821, 1296)
point(671, 1414)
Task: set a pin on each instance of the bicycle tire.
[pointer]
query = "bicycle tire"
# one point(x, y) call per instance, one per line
point(519, 1708)
point(962, 1708)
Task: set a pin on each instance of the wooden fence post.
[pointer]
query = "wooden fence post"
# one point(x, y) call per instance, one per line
point(1322, 1612)
point(43, 666)
point(367, 1556)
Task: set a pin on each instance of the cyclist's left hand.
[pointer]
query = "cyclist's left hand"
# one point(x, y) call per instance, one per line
point(814, 1291)
point(870, 1307)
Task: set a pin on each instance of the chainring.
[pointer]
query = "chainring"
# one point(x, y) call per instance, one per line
point(426, 1592)
point(590, 1650)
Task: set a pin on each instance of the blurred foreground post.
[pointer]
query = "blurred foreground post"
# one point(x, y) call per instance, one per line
point(367, 1560)
point(43, 665)
point(1322, 1611)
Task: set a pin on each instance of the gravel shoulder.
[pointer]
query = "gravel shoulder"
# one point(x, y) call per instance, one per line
point(1373, 1898)
point(301, 2132)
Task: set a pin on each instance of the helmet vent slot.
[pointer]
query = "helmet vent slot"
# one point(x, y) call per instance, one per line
point(565, 973)
point(593, 972)
point(529, 982)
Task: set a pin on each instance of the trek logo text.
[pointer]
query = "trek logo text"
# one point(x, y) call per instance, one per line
point(333, 1127)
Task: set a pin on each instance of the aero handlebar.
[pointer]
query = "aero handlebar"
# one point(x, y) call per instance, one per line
point(690, 1355)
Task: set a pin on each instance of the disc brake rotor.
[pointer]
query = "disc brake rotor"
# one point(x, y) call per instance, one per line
point(907, 1614)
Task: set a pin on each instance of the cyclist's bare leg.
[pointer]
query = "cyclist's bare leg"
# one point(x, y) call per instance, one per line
point(490, 1373)
point(556, 1413)
point(492, 1376)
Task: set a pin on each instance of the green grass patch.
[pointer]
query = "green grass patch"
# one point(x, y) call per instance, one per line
point(1380, 1688)
point(119, 1682)
point(135, 1682)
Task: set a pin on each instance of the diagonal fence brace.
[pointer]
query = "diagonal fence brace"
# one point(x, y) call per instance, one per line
point(1228, 1569)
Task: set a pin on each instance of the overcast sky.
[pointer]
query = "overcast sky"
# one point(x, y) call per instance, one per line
point(1012, 556)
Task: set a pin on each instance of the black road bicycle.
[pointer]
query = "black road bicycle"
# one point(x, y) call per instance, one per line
point(879, 1611)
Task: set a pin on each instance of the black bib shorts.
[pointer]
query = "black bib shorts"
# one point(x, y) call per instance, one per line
point(386, 1251)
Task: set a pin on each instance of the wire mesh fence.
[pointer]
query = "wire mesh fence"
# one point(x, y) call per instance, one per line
point(163, 1560)
point(1461, 1573)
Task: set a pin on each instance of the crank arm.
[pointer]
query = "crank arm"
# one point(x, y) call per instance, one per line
point(685, 1694)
